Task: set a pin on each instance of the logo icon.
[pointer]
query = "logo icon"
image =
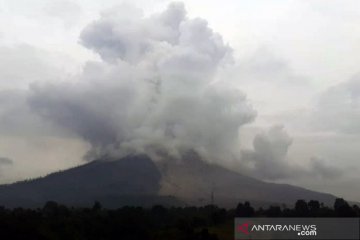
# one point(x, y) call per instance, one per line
point(244, 228)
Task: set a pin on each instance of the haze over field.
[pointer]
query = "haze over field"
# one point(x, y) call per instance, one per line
point(270, 89)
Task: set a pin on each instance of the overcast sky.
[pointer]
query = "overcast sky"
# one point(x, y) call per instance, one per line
point(293, 63)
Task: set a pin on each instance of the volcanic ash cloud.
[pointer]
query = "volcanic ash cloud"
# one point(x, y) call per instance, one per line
point(155, 90)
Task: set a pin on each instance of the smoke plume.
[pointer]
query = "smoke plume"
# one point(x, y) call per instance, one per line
point(154, 91)
point(268, 159)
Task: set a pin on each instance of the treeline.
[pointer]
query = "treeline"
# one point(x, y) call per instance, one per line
point(55, 221)
point(302, 208)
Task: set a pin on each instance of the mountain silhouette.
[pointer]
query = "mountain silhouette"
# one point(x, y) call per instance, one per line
point(133, 180)
point(139, 181)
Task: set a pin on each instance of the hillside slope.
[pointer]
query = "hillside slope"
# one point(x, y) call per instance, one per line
point(137, 180)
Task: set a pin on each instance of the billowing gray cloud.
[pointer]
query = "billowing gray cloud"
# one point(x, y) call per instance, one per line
point(17, 118)
point(124, 33)
point(154, 91)
point(320, 168)
point(268, 159)
point(157, 92)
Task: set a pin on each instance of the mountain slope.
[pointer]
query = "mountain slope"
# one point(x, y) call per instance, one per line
point(196, 180)
point(131, 180)
point(137, 180)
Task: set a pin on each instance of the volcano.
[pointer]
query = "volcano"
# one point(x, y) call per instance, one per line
point(139, 181)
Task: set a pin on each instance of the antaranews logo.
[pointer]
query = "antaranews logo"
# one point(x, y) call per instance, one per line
point(301, 230)
point(297, 228)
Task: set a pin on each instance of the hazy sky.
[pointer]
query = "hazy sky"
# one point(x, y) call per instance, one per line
point(295, 64)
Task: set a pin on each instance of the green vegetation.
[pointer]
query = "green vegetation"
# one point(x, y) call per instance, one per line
point(55, 221)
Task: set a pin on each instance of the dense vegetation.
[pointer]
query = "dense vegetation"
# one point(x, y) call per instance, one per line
point(55, 221)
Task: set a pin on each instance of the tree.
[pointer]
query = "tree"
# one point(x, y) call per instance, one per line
point(244, 210)
point(97, 206)
point(50, 208)
point(301, 208)
point(274, 211)
point(314, 205)
point(343, 209)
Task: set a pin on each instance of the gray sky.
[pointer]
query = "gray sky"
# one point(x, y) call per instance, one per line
point(295, 64)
